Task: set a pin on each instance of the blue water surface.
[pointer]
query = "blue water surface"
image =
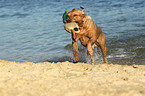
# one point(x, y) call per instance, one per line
point(32, 30)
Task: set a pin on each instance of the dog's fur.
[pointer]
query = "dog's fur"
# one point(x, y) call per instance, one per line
point(91, 36)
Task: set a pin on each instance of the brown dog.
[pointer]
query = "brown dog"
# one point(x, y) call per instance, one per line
point(90, 36)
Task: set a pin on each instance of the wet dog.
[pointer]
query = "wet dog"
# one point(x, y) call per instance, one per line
point(90, 36)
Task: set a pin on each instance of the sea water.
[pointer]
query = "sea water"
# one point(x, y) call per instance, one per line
point(32, 30)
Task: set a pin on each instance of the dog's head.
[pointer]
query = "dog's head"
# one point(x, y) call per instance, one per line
point(76, 16)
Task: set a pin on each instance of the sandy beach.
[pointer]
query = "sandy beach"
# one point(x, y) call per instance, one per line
point(68, 79)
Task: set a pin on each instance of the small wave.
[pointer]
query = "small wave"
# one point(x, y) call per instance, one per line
point(18, 15)
point(117, 56)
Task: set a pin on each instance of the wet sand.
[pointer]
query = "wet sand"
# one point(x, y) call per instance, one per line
point(68, 79)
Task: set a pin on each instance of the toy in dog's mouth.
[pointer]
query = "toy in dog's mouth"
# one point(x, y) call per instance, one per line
point(72, 28)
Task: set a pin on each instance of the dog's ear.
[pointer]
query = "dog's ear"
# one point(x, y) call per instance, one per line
point(83, 9)
point(73, 9)
point(83, 13)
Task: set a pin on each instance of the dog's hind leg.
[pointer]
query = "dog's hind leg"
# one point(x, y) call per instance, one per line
point(104, 50)
point(102, 45)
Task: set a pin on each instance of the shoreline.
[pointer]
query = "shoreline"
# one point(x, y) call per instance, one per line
point(69, 79)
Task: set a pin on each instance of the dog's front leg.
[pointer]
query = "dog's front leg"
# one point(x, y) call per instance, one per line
point(75, 48)
point(75, 52)
point(90, 49)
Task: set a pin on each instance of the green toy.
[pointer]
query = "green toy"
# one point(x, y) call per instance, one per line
point(64, 16)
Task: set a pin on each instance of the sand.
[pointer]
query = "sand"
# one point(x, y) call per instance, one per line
point(68, 79)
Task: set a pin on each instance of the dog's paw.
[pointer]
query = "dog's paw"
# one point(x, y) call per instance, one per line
point(75, 61)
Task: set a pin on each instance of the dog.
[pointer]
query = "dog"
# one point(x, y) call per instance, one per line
point(90, 36)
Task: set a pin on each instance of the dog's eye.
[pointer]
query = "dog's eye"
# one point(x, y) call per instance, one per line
point(75, 15)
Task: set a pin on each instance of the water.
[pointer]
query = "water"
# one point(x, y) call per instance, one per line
point(32, 30)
